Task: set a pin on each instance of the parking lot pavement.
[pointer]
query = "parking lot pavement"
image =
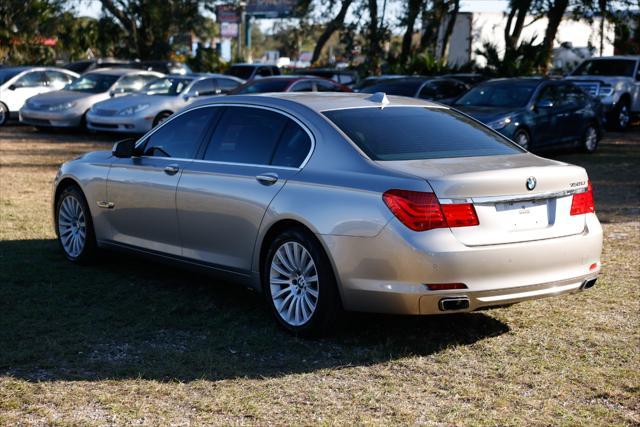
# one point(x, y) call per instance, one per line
point(126, 341)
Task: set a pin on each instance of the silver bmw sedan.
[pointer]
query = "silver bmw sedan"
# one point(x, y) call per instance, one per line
point(336, 201)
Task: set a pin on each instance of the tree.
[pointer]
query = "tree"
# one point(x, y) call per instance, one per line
point(332, 26)
point(518, 9)
point(453, 7)
point(555, 13)
point(150, 24)
point(413, 10)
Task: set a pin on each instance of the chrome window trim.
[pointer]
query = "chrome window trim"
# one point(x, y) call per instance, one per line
point(235, 104)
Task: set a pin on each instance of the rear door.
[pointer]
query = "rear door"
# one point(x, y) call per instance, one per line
point(223, 197)
point(141, 190)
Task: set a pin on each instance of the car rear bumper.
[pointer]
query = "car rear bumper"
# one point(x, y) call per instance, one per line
point(118, 124)
point(389, 273)
point(50, 119)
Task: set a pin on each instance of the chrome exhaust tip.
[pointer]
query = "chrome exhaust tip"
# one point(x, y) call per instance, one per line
point(454, 304)
point(589, 283)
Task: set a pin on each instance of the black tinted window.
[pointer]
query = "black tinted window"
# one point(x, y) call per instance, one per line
point(225, 85)
point(203, 88)
point(501, 94)
point(262, 86)
point(402, 88)
point(606, 67)
point(180, 137)
point(293, 148)
point(246, 135)
point(324, 86)
point(302, 86)
point(409, 133)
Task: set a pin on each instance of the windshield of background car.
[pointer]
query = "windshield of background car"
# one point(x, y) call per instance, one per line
point(401, 88)
point(262, 86)
point(168, 86)
point(92, 83)
point(606, 67)
point(6, 75)
point(413, 133)
point(241, 71)
point(512, 95)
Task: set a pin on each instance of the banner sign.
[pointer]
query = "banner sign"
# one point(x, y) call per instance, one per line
point(227, 13)
point(271, 8)
point(229, 29)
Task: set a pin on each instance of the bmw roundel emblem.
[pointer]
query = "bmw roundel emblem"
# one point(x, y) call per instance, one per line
point(531, 183)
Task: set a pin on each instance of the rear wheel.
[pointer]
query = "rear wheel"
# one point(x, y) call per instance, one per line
point(161, 117)
point(75, 226)
point(4, 114)
point(299, 284)
point(590, 139)
point(621, 116)
point(522, 138)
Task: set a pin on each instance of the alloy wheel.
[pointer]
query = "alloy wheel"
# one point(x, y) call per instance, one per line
point(294, 284)
point(72, 226)
point(623, 116)
point(591, 139)
point(4, 115)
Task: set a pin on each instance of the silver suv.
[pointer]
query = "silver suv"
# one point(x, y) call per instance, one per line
point(615, 80)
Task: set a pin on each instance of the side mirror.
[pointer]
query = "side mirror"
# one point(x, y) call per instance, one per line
point(124, 149)
point(186, 97)
point(12, 87)
point(544, 103)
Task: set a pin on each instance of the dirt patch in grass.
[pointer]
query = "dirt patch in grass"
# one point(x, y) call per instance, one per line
point(127, 341)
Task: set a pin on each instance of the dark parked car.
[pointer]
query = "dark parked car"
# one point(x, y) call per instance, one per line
point(290, 84)
point(345, 77)
point(84, 66)
point(372, 80)
point(436, 89)
point(253, 71)
point(536, 112)
point(471, 79)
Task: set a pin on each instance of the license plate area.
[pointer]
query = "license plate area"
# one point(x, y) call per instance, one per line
point(525, 215)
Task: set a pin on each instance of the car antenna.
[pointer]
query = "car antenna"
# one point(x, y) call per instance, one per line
point(379, 97)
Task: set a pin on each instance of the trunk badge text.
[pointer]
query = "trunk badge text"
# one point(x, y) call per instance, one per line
point(531, 183)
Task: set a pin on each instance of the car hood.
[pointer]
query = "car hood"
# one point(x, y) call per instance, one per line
point(486, 114)
point(122, 102)
point(59, 96)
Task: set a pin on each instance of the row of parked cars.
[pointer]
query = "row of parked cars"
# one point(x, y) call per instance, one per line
point(536, 112)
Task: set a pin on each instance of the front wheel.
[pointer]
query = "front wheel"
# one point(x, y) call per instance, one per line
point(299, 284)
point(590, 139)
point(523, 139)
point(74, 226)
point(4, 114)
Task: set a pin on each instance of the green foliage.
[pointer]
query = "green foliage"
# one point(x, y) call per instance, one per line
point(525, 60)
point(424, 63)
point(206, 61)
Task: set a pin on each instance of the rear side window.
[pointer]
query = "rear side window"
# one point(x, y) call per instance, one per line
point(412, 133)
point(181, 137)
point(293, 148)
point(246, 135)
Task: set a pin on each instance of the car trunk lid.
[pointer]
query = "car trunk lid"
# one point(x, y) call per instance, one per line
point(508, 211)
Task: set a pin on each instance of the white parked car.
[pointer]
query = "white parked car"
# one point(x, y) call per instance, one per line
point(139, 112)
point(67, 108)
point(17, 84)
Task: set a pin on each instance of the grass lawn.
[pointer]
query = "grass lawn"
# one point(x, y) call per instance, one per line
point(128, 341)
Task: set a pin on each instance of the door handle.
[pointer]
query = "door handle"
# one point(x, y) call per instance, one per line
point(171, 169)
point(267, 178)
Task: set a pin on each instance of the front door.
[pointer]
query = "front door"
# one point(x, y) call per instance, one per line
point(141, 191)
point(30, 84)
point(223, 197)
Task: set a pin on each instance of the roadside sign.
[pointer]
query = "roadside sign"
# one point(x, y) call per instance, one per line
point(271, 8)
point(227, 13)
point(229, 29)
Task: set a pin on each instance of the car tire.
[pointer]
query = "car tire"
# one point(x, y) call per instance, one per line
point(299, 284)
point(621, 115)
point(4, 114)
point(161, 117)
point(590, 139)
point(523, 139)
point(74, 226)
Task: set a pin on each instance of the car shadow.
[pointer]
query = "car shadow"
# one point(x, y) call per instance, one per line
point(125, 317)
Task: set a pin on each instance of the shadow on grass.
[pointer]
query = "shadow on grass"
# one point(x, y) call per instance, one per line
point(126, 317)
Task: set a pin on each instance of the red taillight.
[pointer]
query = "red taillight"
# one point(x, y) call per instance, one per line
point(422, 211)
point(582, 203)
point(446, 286)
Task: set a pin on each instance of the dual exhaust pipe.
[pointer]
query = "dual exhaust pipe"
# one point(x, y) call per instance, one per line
point(462, 303)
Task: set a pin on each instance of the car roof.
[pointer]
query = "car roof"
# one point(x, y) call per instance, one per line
point(324, 101)
point(533, 80)
point(121, 71)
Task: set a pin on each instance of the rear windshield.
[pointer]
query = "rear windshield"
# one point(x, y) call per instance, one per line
point(510, 95)
point(606, 67)
point(412, 133)
point(263, 86)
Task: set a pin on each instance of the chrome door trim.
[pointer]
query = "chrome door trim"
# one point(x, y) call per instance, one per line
point(236, 104)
